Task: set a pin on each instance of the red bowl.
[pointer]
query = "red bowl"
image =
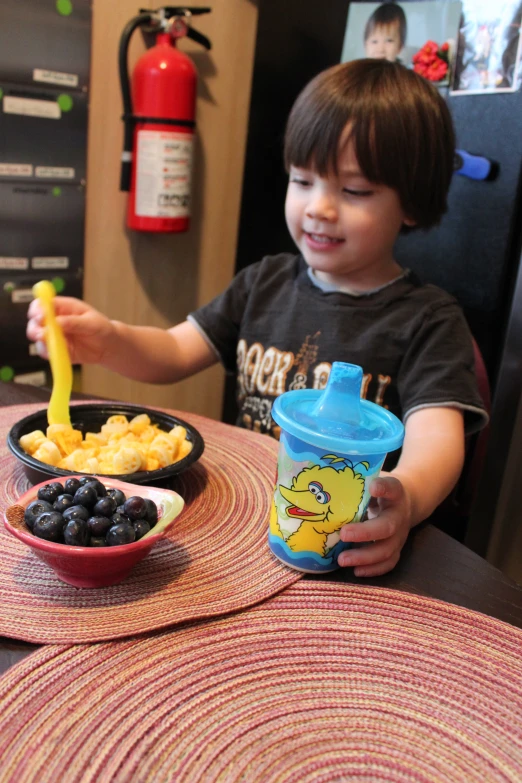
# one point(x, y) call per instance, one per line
point(96, 566)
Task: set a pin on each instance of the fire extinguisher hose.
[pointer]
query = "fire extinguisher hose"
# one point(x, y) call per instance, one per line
point(126, 158)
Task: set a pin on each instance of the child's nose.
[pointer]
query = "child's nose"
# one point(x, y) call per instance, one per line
point(323, 207)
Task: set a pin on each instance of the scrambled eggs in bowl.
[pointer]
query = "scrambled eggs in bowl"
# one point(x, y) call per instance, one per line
point(106, 439)
point(121, 446)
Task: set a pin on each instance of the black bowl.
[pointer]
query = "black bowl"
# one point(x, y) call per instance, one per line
point(89, 418)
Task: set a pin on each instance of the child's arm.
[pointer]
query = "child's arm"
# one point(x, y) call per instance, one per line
point(429, 467)
point(142, 353)
point(159, 356)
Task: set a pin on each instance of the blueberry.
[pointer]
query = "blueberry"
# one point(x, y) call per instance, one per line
point(84, 480)
point(63, 502)
point(120, 519)
point(95, 541)
point(141, 526)
point(120, 534)
point(98, 526)
point(98, 487)
point(50, 492)
point(85, 496)
point(135, 508)
point(33, 511)
point(49, 526)
point(76, 512)
point(105, 507)
point(76, 533)
point(117, 495)
point(71, 485)
point(151, 514)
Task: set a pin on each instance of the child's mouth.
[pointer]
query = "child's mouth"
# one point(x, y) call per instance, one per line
point(321, 241)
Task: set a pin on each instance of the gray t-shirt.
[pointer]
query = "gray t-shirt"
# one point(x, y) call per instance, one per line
point(277, 330)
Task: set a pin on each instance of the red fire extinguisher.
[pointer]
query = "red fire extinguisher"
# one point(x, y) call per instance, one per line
point(159, 120)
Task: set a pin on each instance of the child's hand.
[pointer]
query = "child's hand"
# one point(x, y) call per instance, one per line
point(88, 332)
point(386, 530)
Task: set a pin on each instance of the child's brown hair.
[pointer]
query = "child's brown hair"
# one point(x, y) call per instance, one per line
point(400, 126)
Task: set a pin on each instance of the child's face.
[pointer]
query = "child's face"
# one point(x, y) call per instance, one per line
point(344, 226)
point(384, 43)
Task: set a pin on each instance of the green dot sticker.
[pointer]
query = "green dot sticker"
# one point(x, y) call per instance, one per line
point(6, 373)
point(64, 7)
point(9, 287)
point(1, 93)
point(59, 284)
point(65, 102)
point(56, 191)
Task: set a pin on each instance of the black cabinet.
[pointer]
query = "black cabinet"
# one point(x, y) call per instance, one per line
point(44, 79)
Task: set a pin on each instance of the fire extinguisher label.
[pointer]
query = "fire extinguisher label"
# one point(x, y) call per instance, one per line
point(163, 173)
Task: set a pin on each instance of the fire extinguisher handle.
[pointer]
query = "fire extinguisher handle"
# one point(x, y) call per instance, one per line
point(199, 38)
point(178, 10)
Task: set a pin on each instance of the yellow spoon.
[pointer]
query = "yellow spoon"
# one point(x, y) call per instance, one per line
point(58, 410)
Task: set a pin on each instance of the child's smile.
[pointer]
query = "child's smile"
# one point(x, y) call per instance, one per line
point(344, 225)
point(322, 242)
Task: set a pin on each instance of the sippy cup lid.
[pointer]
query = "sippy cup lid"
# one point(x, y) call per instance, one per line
point(336, 418)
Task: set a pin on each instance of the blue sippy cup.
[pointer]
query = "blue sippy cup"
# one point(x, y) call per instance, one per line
point(332, 445)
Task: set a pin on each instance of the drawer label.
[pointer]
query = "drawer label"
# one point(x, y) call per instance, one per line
point(55, 77)
point(11, 262)
point(31, 107)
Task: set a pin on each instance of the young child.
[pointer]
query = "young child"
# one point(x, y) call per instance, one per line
point(385, 32)
point(369, 149)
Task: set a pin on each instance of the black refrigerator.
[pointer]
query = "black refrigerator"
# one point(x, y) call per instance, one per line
point(474, 254)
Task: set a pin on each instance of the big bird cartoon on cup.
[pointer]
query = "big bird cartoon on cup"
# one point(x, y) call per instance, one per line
point(332, 445)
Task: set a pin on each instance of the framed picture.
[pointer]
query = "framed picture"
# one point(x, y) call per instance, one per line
point(421, 35)
point(489, 48)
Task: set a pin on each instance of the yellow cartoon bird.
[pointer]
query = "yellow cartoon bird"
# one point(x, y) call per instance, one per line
point(324, 499)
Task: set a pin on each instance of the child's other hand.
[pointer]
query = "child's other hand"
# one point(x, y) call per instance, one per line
point(88, 332)
point(385, 530)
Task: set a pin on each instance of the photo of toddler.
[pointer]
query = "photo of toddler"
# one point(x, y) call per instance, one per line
point(385, 33)
point(406, 33)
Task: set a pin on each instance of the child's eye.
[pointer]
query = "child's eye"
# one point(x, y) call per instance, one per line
point(360, 193)
point(299, 180)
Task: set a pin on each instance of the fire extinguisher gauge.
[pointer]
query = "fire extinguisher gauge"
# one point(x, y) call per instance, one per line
point(177, 26)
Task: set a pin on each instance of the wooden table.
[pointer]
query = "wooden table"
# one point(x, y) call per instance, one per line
point(432, 564)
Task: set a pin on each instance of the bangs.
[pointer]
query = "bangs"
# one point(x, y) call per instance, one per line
point(313, 141)
point(323, 122)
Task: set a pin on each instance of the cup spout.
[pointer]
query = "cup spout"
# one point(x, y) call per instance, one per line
point(341, 399)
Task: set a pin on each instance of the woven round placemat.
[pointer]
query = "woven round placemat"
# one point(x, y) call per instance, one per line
point(216, 559)
point(324, 682)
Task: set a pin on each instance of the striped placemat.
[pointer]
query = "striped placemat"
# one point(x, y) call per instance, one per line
point(324, 682)
point(215, 561)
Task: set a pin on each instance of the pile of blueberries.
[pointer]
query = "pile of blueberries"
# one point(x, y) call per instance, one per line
point(82, 512)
